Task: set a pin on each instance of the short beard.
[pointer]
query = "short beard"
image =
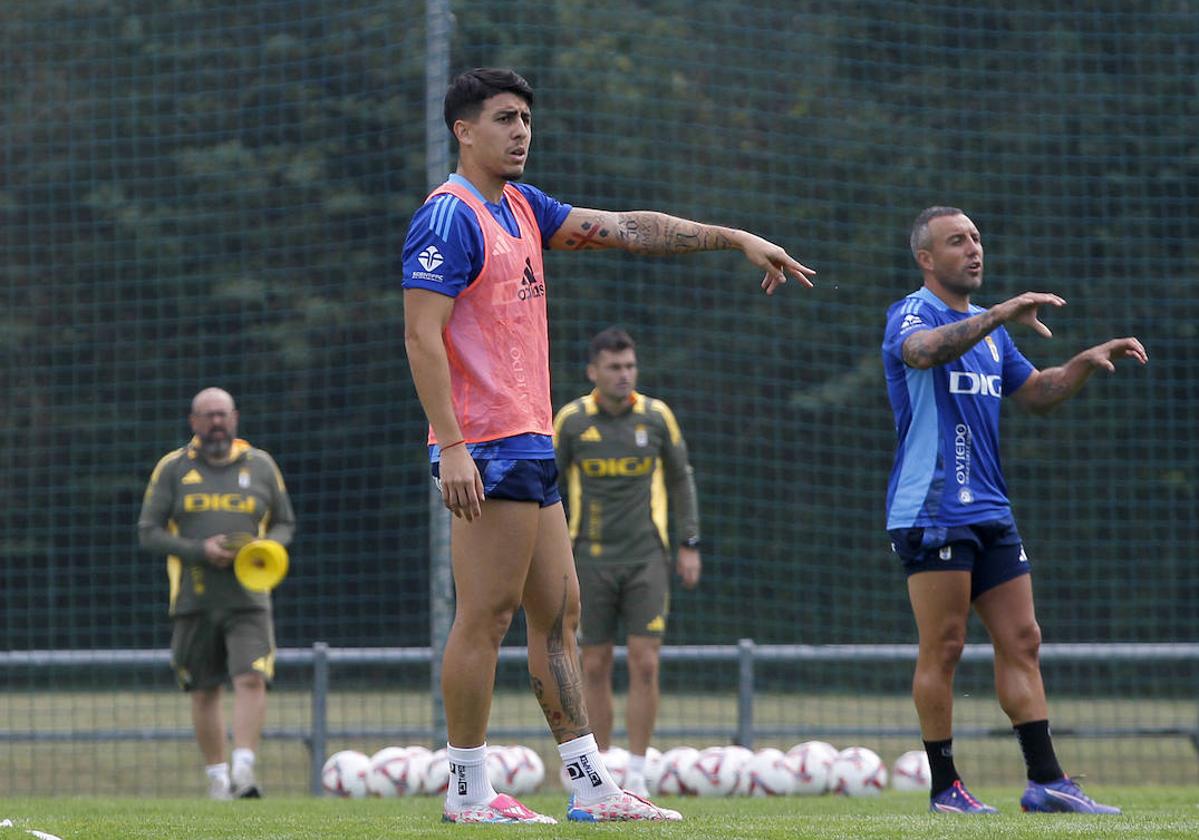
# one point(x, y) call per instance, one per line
point(216, 449)
point(961, 284)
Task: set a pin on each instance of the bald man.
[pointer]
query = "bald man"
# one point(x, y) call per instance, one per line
point(202, 501)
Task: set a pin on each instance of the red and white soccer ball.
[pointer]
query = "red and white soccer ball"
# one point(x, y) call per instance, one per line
point(515, 769)
point(911, 772)
point(715, 772)
point(616, 759)
point(344, 774)
point(858, 772)
point(769, 773)
point(665, 777)
point(652, 757)
point(739, 757)
point(435, 775)
point(397, 771)
point(812, 763)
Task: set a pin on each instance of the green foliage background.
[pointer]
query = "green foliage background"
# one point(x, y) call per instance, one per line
point(217, 193)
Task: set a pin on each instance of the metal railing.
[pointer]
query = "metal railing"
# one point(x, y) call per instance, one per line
point(745, 653)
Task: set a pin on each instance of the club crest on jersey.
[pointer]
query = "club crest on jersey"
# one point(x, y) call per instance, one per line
point(965, 496)
point(243, 479)
point(946, 552)
point(641, 436)
point(430, 258)
point(991, 345)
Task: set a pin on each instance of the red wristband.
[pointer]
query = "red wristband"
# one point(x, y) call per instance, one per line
point(452, 445)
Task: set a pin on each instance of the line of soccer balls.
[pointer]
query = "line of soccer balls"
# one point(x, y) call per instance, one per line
point(809, 768)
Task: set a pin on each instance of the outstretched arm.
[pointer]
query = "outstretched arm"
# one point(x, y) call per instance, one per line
point(929, 348)
point(657, 234)
point(1046, 389)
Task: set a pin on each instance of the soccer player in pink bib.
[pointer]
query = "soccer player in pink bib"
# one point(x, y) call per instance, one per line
point(477, 341)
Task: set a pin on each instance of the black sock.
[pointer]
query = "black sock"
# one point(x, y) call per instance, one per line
point(1039, 757)
point(940, 762)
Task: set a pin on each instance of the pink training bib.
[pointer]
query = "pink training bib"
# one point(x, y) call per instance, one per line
point(497, 338)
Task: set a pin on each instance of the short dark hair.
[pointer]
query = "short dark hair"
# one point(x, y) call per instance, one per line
point(468, 91)
point(613, 340)
point(920, 240)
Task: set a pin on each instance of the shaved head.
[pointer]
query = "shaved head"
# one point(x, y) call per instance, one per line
point(214, 422)
point(212, 396)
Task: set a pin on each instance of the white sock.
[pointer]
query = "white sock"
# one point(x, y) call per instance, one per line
point(469, 783)
point(243, 757)
point(218, 771)
point(636, 765)
point(589, 778)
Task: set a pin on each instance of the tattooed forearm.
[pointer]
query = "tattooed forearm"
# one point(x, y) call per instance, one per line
point(646, 232)
point(1052, 387)
point(930, 348)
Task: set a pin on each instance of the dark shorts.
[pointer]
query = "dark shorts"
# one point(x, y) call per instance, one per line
point(637, 592)
point(992, 552)
point(207, 649)
point(516, 480)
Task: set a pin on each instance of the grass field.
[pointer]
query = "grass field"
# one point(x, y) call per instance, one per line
point(1149, 813)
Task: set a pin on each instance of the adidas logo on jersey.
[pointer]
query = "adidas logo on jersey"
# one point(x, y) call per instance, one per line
point(592, 435)
point(910, 321)
point(192, 477)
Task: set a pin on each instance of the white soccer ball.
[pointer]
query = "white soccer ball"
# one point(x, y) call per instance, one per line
point(811, 764)
point(715, 772)
point(652, 758)
point(769, 773)
point(858, 772)
point(397, 771)
point(664, 777)
point(345, 774)
point(740, 757)
point(616, 759)
point(435, 775)
point(911, 772)
point(515, 769)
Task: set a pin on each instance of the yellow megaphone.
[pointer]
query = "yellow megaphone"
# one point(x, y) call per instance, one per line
point(260, 565)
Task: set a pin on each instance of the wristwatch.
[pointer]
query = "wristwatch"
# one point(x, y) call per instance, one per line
point(690, 542)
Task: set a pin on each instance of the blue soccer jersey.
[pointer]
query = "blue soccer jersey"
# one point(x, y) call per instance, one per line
point(444, 249)
point(947, 471)
point(444, 253)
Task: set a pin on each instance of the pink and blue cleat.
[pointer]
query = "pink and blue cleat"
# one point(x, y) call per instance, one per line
point(1062, 796)
point(955, 799)
point(619, 807)
point(502, 809)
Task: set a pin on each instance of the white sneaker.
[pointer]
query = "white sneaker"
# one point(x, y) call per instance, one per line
point(218, 788)
point(619, 807)
point(245, 786)
point(502, 809)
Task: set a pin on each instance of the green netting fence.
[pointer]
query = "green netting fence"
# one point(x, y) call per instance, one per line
point(217, 193)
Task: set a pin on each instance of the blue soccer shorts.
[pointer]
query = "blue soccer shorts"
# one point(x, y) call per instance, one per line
point(517, 480)
point(992, 552)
